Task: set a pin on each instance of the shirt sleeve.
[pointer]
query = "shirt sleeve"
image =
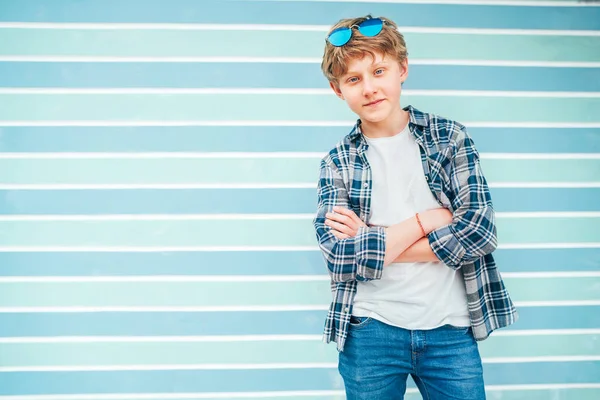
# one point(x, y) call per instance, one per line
point(472, 233)
point(358, 258)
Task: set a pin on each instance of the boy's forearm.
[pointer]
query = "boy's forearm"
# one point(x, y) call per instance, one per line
point(400, 237)
point(420, 251)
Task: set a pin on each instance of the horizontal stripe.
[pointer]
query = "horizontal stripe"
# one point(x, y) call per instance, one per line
point(268, 139)
point(249, 201)
point(279, 75)
point(232, 294)
point(280, 123)
point(229, 186)
point(262, 155)
point(253, 263)
point(498, 392)
point(293, 60)
point(282, 27)
point(125, 107)
point(196, 339)
point(261, 366)
point(253, 217)
point(255, 338)
point(248, 308)
point(252, 232)
point(293, 91)
point(312, 13)
point(258, 380)
point(162, 249)
point(218, 43)
point(30, 355)
point(239, 323)
point(253, 278)
point(273, 170)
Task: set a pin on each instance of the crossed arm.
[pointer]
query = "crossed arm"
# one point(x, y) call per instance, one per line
point(344, 223)
point(463, 237)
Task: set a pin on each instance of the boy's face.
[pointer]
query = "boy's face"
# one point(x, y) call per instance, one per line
point(372, 87)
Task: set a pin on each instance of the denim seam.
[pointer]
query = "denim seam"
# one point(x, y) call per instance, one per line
point(424, 387)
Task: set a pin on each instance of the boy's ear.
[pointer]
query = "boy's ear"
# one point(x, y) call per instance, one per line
point(404, 70)
point(336, 90)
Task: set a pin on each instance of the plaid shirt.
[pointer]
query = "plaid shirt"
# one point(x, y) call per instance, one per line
point(452, 170)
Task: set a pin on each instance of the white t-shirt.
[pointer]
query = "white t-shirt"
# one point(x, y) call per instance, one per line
point(413, 296)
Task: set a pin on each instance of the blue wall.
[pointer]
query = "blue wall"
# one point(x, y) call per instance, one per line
point(158, 163)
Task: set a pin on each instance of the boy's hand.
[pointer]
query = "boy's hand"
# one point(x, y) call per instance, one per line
point(344, 223)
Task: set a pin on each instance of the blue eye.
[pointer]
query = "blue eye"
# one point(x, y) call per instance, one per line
point(353, 79)
point(379, 71)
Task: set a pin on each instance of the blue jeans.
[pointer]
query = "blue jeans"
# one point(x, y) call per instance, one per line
point(377, 359)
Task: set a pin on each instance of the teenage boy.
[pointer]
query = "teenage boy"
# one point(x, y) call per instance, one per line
point(406, 225)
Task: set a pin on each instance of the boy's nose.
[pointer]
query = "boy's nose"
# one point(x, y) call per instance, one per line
point(368, 87)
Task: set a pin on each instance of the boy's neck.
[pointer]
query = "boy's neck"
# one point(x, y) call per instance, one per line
point(389, 127)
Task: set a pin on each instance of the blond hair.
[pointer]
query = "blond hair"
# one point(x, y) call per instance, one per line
point(388, 42)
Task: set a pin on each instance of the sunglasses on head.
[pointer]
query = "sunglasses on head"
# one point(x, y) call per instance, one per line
point(369, 27)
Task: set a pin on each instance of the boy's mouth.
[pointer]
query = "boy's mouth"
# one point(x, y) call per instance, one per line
point(374, 102)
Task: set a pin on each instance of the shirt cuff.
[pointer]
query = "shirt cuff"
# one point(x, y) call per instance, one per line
point(369, 248)
point(446, 247)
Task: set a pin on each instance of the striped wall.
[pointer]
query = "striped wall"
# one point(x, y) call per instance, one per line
point(158, 163)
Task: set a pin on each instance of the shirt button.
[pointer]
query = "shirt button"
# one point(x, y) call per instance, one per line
point(366, 184)
point(426, 177)
point(346, 309)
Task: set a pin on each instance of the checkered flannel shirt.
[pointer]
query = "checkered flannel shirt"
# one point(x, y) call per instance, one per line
point(452, 170)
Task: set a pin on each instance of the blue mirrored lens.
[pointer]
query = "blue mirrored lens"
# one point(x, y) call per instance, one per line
point(340, 36)
point(370, 27)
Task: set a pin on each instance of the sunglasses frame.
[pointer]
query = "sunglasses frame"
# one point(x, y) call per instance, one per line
point(351, 30)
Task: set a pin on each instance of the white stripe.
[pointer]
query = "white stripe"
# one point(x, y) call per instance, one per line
point(170, 278)
point(154, 249)
point(293, 91)
point(253, 338)
point(545, 332)
point(558, 303)
point(222, 367)
point(513, 246)
point(159, 249)
point(543, 386)
point(284, 27)
point(254, 217)
point(526, 3)
point(346, 124)
point(173, 186)
point(93, 309)
point(521, 360)
point(539, 156)
point(61, 186)
point(539, 185)
point(271, 394)
point(256, 278)
point(167, 367)
point(240, 308)
point(550, 275)
point(170, 155)
point(158, 217)
point(192, 396)
point(263, 155)
point(549, 214)
point(294, 60)
point(162, 339)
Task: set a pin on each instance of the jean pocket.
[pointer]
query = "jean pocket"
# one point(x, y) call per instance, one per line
point(359, 322)
point(458, 329)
